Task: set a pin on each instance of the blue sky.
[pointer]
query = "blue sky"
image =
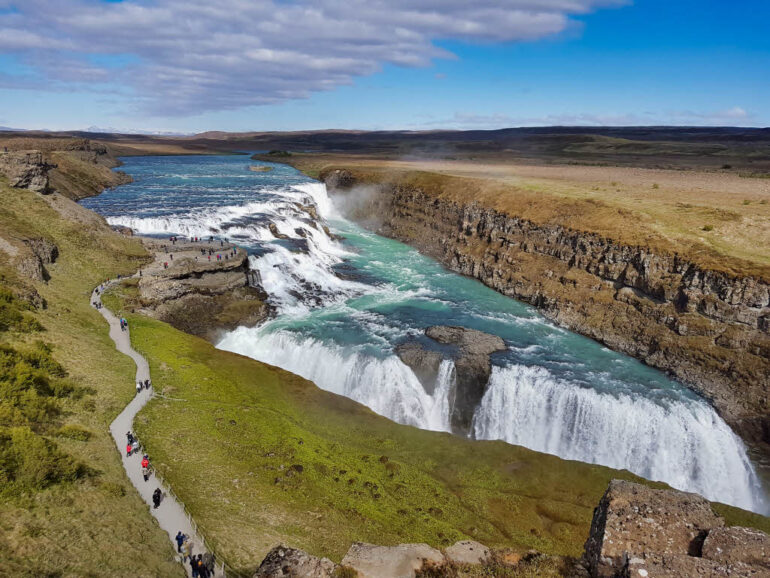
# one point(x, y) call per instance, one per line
point(402, 65)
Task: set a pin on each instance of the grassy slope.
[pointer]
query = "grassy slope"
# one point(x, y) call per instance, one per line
point(664, 210)
point(87, 527)
point(229, 432)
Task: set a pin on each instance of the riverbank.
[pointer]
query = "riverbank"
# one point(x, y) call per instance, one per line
point(700, 315)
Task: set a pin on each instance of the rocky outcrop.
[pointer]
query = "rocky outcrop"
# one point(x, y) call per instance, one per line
point(202, 297)
point(400, 561)
point(26, 170)
point(637, 531)
point(292, 563)
point(470, 350)
point(468, 552)
point(709, 328)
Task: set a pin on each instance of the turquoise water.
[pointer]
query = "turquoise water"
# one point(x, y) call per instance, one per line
point(342, 306)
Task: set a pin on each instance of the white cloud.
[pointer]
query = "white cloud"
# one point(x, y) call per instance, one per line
point(192, 56)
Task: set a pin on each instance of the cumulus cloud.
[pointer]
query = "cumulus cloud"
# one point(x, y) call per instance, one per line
point(192, 56)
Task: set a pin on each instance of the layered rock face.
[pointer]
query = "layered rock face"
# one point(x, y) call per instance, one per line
point(709, 329)
point(638, 532)
point(202, 297)
point(25, 170)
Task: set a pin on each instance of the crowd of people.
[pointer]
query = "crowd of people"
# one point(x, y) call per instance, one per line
point(202, 565)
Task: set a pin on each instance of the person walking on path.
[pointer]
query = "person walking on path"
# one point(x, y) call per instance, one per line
point(194, 566)
point(156, 497)
point(129, 449)
point(187, 550)
point(138, 388)
point(180, 539)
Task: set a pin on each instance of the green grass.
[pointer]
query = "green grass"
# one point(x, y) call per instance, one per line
point(261, 456)
point(68, 509)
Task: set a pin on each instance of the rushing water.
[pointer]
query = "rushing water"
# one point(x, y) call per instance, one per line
point(343, 304)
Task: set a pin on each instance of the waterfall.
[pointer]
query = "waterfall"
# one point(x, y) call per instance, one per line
point(339, 332)
point(681, 442)
point(386, 385)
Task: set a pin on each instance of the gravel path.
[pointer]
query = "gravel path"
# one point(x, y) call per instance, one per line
point(170, 514)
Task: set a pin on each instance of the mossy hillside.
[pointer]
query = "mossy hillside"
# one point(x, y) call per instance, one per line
point(261, 456)
point(66, 508)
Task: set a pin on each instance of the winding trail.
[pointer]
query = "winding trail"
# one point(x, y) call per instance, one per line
point(170, 514)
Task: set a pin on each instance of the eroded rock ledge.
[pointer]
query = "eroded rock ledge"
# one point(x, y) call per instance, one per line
point(710, 329)
point(197, 293)
point(470, 350)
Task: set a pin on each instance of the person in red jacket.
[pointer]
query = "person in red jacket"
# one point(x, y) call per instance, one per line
point(128, 450)
point(145, 461)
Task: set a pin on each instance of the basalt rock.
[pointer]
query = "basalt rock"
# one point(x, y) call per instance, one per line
point(26, 170)
point(293, 563)
point(423, 362)
point(470, 350)
point(709, 328)
point(637, 531)
point(472, 369)
point(204, 297)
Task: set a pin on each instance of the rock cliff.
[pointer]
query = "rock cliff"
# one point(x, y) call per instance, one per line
point(25, 170)
point(637, 531)
point(197, 295)
point(710, 329)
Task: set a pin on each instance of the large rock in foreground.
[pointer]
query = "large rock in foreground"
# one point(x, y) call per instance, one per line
point(292, 563)
point(637, 531)
point(400, 561)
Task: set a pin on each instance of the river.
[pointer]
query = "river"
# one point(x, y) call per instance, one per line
point(343, 304)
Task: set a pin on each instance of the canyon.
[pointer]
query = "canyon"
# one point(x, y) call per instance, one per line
point(708, 328)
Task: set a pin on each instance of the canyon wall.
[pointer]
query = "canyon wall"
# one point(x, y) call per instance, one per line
point(709, 329)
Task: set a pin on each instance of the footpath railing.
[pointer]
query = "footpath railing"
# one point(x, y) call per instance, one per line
point(224, 568)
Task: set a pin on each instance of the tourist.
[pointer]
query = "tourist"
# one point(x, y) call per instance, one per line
point(134, 446)
point(147, 383)
point(209, 562)
point(129, 448)
point(180, 538)
point(145, 461)
point(146, 473)
point(156, 497)
point(194, 566)
point(202, 572)
point(138, 388)
point(187, 549)
point(129, 437)
point(171, 255)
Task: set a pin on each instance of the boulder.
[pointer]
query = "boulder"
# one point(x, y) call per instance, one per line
point(738, 545)
point(290, 562)
point(472, 369)
point(632, 520)
point(26, 170)
point(400, 561)
point(467, 552)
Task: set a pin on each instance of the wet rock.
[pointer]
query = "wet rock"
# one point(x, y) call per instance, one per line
point(26, 170)
point(293, 563)
point(400, 561)
point(274, 230)
point(472, 369)
point(738, 545)
point(633, 520)
point(423, 362)
point(467, 552)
